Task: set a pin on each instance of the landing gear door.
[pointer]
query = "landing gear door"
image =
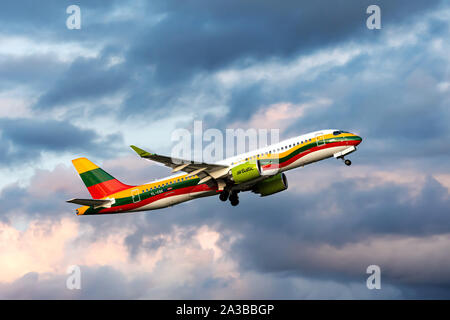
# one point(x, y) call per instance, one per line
point(135, 195)
point(320, 139)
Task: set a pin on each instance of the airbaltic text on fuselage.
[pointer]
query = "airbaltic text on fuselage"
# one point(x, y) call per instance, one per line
point(244, 170)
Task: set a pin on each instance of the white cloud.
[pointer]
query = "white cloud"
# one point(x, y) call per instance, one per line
point(409, 259)
point(305, 67)
point(49, 247)
point(64, 51)
point(280, 115)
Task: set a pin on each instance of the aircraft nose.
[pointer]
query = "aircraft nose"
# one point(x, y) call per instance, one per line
point(358, 139)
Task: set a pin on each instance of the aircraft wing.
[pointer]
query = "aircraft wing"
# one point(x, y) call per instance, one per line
point(203, 170)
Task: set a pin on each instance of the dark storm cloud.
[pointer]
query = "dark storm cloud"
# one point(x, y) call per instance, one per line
point(85, 80)
point(359, 213)
point(96, 283)
point(25, 139)
point(48, 190)
point(45, 197)
point(28, 70)
point(394, 113)
point(278, 234)
point(20, 201)
point(47, 19)
point(194, 38)
point(396, 100)
point(12, 197)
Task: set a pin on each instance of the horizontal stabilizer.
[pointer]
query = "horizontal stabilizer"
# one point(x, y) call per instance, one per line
point(93, 202)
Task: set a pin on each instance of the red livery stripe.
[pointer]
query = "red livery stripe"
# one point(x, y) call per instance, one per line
point(106, 188)
point(131, 206)
point(310, 150)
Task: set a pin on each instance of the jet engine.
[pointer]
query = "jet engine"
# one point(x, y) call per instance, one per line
point(271, 185)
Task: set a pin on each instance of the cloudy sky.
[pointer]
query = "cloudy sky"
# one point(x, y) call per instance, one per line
point(138, 70)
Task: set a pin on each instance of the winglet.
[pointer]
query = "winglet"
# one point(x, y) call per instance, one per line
point(141, 152)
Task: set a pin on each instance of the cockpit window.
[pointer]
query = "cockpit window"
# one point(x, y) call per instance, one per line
point(336, 133)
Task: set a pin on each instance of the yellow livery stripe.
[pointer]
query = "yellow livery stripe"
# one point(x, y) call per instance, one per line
point(83, 165)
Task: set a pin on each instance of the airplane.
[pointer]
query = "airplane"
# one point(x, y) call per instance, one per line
point(260, 171)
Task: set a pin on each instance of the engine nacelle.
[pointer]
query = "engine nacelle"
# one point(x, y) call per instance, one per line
point(245, 172)
point(272, 185)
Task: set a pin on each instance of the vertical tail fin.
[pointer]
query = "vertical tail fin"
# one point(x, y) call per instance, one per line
point(99, 183)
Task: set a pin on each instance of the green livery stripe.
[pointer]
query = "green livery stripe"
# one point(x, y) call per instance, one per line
point(336, 139)
point(287, 157)
point(145, 195)
point(305, 148)
point(297, 151)
point(96, 176)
